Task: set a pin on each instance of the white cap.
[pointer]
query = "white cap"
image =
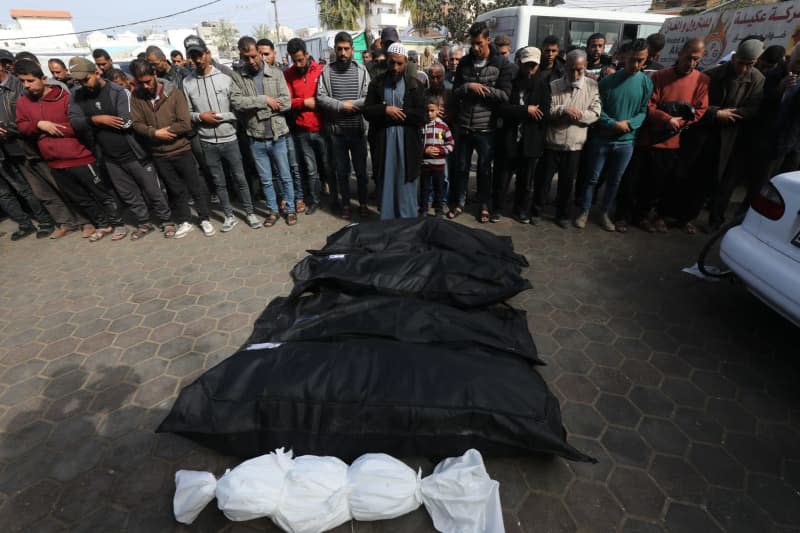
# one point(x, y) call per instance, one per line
point(397, 48)
point(530, 54)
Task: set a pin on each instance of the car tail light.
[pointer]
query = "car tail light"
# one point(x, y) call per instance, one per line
point(769, 202)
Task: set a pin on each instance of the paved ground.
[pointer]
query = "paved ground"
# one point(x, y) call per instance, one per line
point(684, 390)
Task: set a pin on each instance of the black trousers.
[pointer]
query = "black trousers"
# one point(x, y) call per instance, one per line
point(524, 189)
point(84, 186)
point(37, 174)
point(567, 164)
point(12, 185)
point(137, 186)
point(181, 178)
point(432, 180)
point(660, 185)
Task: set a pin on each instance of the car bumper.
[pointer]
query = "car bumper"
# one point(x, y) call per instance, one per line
point(770, 275)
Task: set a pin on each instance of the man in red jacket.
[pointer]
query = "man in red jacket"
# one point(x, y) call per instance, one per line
point(43, 112)
point(679, 100)
point(302, 79)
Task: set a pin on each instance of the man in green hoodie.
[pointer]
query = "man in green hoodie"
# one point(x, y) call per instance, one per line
point(624, 96)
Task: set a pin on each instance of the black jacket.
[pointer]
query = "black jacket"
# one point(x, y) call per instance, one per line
point(15, 144)
point(475, 112)
point(533, 91)
point(414, 108)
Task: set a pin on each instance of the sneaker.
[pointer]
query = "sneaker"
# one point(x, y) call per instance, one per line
point(214, 198)
point(252, 219)
point(535, 219)
point(582, 219)
point(522, 218)
point(183, 229)
point(311, 209)
point(494, 218)
point(563, 223)
point(208, 228)
point(606, 223)
point(44, 231)
point(228, 224)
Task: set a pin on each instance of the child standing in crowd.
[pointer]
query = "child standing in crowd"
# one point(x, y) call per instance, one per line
point(438, 143)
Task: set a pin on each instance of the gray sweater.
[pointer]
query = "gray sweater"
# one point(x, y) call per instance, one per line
point(211, 93)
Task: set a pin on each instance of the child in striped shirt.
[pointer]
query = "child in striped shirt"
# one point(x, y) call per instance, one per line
point(438, 142)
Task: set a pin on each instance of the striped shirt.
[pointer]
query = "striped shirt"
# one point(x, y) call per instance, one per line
point(344, 86)
point(437, 133)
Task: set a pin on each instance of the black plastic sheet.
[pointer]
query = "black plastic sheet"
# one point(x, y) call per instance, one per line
point(416, 234)
point(347, 398)
point(441, 276)
point(335, 316)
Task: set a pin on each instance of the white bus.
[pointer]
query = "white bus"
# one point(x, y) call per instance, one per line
point(528, 25)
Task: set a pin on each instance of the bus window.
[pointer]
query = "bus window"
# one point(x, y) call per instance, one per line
point(547, 26)
point(645, 30)
point(503, 26)
point(580, 30)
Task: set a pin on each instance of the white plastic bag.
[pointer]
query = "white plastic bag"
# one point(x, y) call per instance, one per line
point(382, 487)
point(254, 488)
point(193, 491)
point(315, 496)
point(462, 498)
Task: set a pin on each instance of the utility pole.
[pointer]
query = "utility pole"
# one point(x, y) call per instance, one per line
point(277, 26)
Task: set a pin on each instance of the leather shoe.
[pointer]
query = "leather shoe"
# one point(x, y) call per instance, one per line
point(44, 231)
point(21, 233)
point(311, 209)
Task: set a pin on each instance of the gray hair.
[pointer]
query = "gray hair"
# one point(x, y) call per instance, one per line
point(155, 51)
point(574, 55)
point(436, 65)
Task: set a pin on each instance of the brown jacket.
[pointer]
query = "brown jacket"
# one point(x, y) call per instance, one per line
point(170, 110)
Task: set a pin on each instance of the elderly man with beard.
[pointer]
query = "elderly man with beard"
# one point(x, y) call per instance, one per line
point(100, 111)
point(260, 97)
point(574, 106)
point(161, 116)
point(395, 107)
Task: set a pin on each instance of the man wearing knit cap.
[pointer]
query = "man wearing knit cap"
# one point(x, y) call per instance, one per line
point(734, 96)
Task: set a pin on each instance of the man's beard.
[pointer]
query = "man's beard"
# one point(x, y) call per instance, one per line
point(345, 61)
point(92, 91)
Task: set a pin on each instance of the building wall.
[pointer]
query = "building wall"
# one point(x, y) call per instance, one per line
point(31, 27)
point(388, 13)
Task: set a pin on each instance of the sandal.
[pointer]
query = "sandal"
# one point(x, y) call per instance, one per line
point(169, 231)
point(140, 232)
point(99, 234)
point(690, 228)
point(300, 206)
point(291, 219)
point(455, 213)
point(621, 226)
point(483, 217)
point(120, 232)
point(270, 220)
point(660, 225)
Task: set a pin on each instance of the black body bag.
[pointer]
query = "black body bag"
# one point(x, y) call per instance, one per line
point(371, 395)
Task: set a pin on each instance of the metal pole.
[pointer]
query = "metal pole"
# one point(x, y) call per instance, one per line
point(277, 26)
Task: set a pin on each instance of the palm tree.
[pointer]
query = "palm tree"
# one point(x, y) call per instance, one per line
point(423, 13)
point(262, 31)
point(225, 34)
point(341, 14)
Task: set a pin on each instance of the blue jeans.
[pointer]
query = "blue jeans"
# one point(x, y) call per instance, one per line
point(264, 152)
point(614, 159)
point(215, 154)
point(294, 167)
point(312, 146)
point(483, 143)
point(345, 147)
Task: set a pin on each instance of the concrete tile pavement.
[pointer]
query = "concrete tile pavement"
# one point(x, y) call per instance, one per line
point(684, 390)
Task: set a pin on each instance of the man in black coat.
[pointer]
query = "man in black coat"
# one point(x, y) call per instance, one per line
point(522, 137)
point(395, 108)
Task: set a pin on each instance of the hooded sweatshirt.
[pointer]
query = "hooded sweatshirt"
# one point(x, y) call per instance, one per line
point(211, 93)
point(58, 152)
point(301, 86)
